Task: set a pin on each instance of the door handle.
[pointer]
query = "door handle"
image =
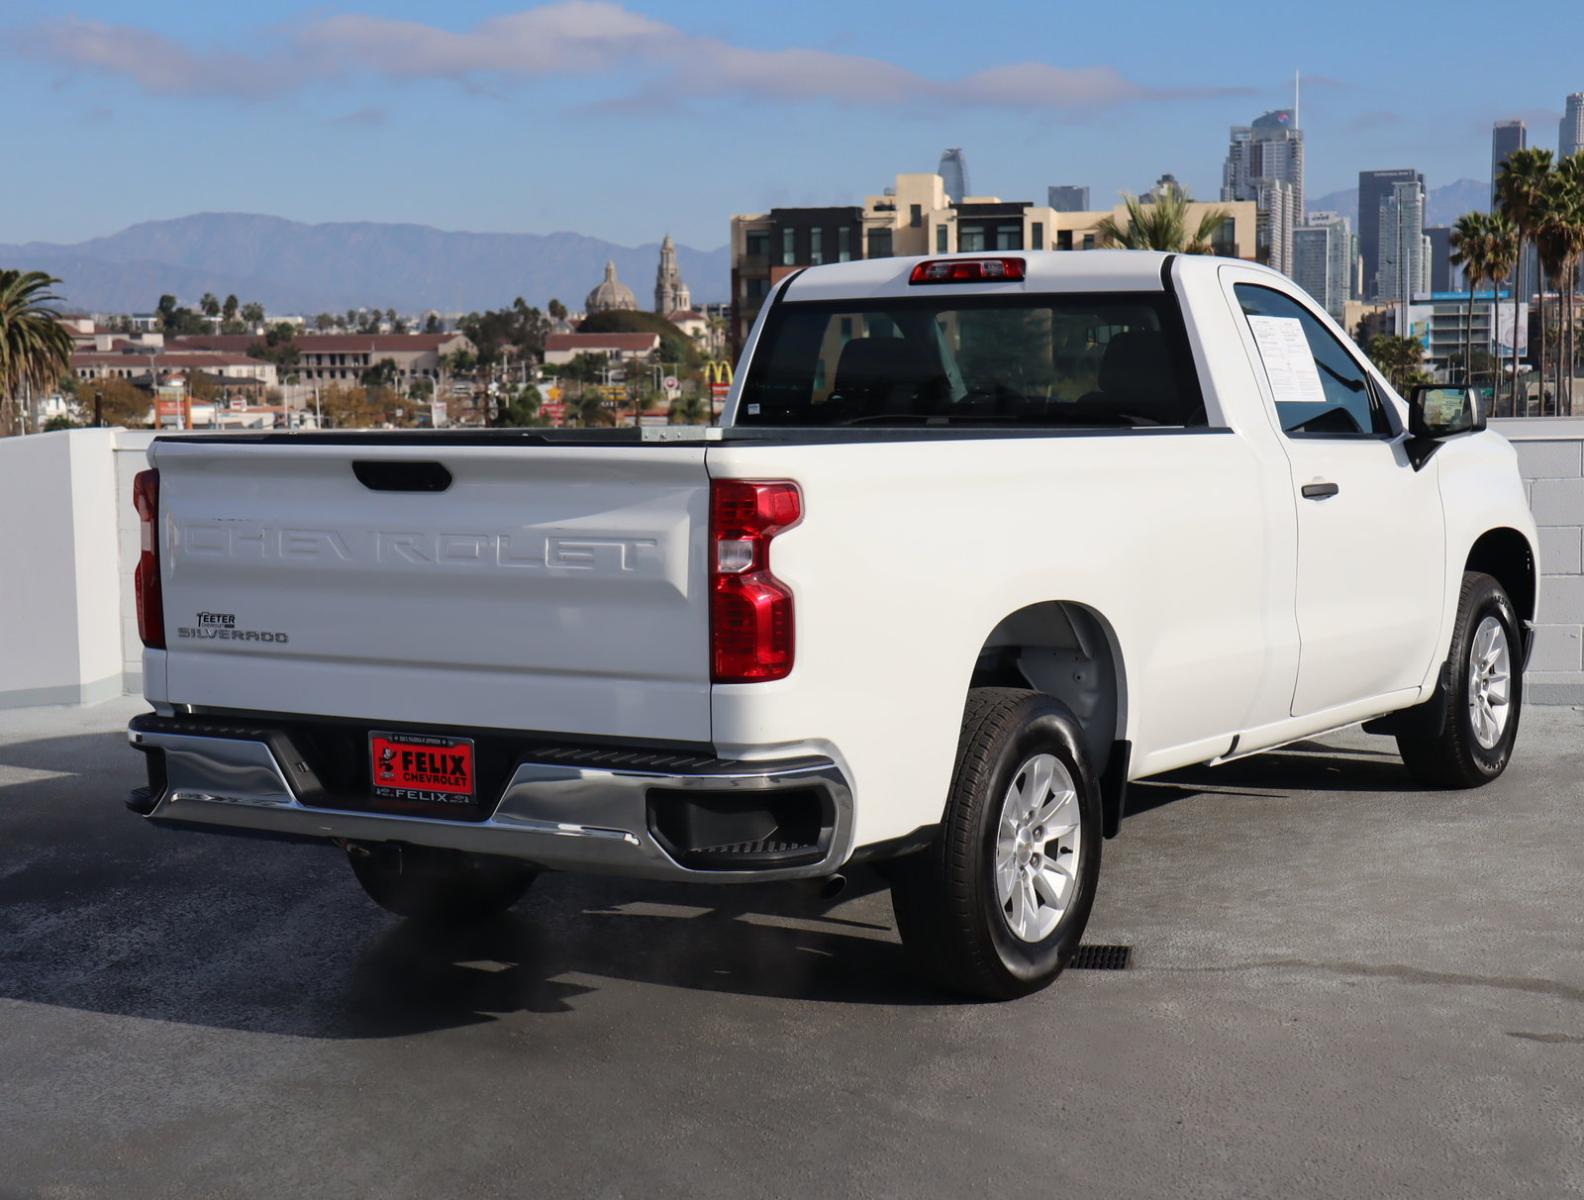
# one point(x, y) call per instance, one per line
point(1319, 491)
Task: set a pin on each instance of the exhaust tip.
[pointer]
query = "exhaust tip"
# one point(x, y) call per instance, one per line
point(832, 887)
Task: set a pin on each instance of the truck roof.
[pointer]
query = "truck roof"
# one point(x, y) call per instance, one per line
point(1047, 271)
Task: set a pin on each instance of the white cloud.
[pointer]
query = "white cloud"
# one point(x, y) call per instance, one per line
point(568, 37)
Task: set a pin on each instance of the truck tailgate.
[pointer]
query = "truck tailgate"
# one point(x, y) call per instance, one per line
point(554, 588)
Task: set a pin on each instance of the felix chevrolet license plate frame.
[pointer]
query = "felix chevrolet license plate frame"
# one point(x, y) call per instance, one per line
point(423, 769)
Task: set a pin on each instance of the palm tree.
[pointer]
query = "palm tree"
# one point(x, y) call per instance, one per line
point(1551, 217)
point(1570, 171)
point(1518, 191)
point(689, 410)
point(35, 348)
point(1400, 359)
point(1501, 258)
point(1470, 244)
point(1161, 224)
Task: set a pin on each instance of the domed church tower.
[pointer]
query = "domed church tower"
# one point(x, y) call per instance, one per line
point(671, 294)
point(610, 294)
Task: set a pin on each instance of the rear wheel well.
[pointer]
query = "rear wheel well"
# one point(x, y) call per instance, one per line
point(1069, 651)
point(1506, 556)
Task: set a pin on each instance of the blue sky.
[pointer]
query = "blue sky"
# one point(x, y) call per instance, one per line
point(582, 115)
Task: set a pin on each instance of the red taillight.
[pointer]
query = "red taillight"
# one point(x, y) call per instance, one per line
point(750, 609)
point(150, 600)
point(969, 270)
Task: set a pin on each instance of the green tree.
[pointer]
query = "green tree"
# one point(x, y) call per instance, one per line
point(253, 313)
point(557, 310)
point(1400, 359)
point(432, 323)
point(1519, 188)
point(279, 347)
point(35, 348)
point(675, 346)
point(586, 368)
point(522, 409)
point(500, 334)
point(116, 401)
point(228, 310)
point(382, 374)
point(324, 322)
point(350, 408)
point(209, 305)
point(590, 408)
point(689, 409)
point(1162, 224)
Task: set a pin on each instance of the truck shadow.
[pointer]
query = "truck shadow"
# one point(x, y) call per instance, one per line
point(101, 912)
point(1276, 774)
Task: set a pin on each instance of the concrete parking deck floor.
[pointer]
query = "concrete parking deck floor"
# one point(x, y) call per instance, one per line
point(1341, 987)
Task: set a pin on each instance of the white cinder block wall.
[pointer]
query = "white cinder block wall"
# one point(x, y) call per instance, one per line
point(1551, 457)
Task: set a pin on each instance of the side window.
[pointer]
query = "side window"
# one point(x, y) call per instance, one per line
point(1319, 387)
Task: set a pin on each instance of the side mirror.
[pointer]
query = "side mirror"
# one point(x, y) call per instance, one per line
point(1438, 411)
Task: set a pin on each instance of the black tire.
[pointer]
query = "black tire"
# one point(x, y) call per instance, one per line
point(947, 908)
point(430, 884)
point(1453, 757)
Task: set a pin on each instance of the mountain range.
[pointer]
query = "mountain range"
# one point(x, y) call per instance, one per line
point(290, 266)
point(294, 267)
point(1443, 205)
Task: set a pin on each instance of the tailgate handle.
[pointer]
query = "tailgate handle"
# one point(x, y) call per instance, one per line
point(402, 476)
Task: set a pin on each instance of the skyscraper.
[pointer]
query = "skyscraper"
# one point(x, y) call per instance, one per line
point(1570, 134)
point(1265, 164)
point(1506, 136)
point(1444, 277)
point(1374, 187)
point(954, 170)
point(1067, 197)
point(1402, 245)
point(1323, 260)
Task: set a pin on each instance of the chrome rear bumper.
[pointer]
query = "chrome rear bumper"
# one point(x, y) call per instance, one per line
point(557, 816)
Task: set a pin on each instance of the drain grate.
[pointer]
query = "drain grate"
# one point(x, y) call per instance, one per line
point(1100, 958)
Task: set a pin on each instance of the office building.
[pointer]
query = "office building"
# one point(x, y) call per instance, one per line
point(1265, 164)
point(1444, 277)
point(1402, 245)
point(1374, 187)
point(953, 171)
point(1276, 203)
point(1438, 320)
point(1323, 260)
point(1506, 136)
point(1067, 197)
point(1570, 134)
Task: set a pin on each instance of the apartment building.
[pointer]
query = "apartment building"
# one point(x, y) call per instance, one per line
point(326, 358)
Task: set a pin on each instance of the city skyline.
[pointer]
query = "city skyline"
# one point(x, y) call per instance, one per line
point(504, 119)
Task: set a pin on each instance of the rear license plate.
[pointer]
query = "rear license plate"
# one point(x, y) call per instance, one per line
point(417, 768)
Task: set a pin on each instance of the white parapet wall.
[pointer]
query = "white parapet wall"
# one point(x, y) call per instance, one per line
point(1551, 457)
point(63, 592)
point(69, 544)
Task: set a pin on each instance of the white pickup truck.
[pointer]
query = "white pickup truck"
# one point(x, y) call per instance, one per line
point(982, 538)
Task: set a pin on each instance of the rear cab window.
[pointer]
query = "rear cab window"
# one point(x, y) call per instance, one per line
point(1118, 360)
